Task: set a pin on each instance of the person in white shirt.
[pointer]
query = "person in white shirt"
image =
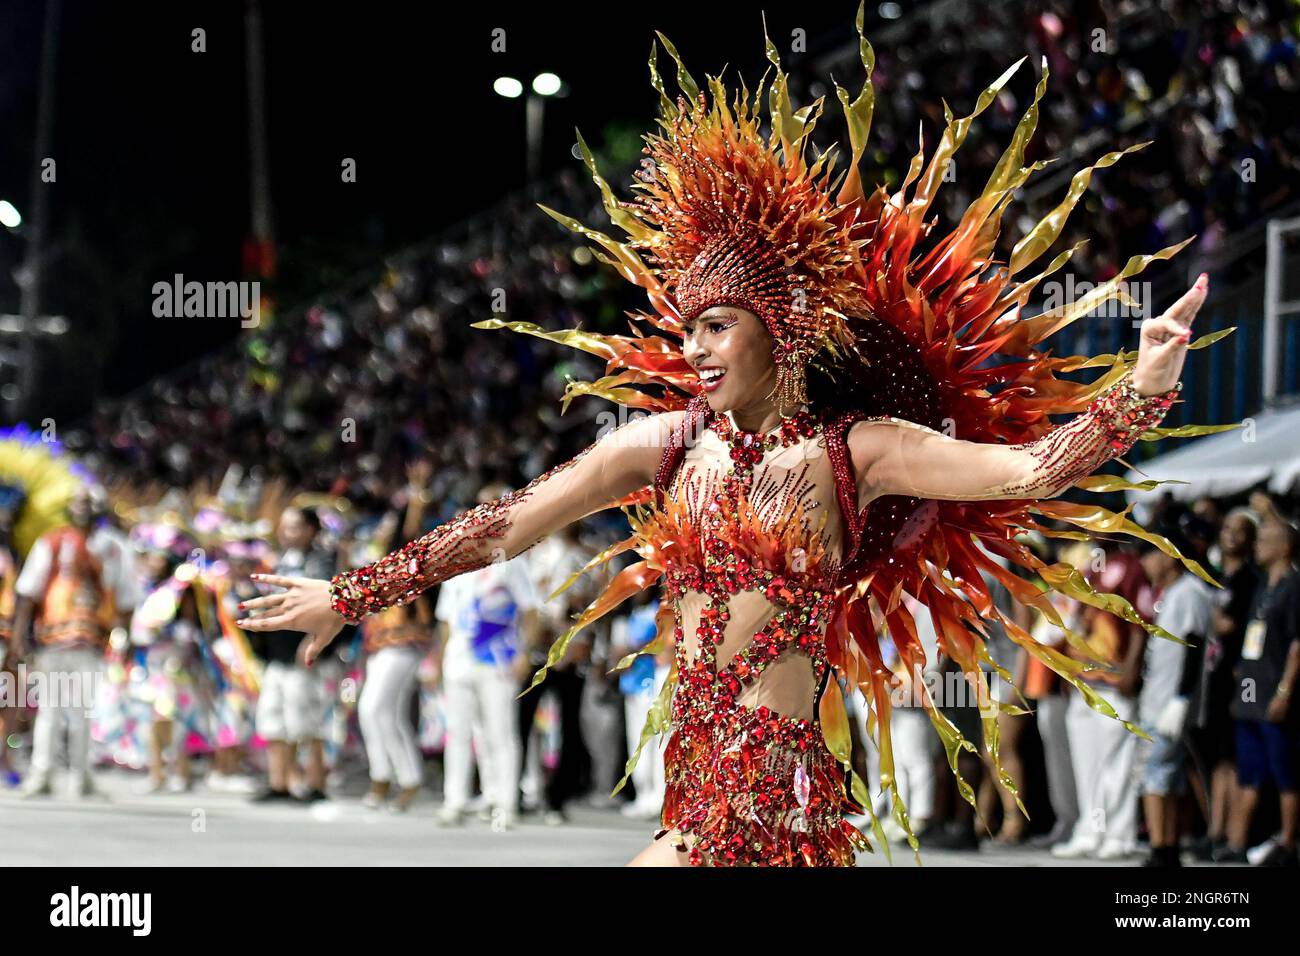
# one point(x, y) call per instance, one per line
point(78, 583)
point(1185, 608)
point(486, 617)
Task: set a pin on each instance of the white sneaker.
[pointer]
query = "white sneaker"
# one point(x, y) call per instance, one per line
point(1115, 850)
point(178, 785)
point(372, 800)
point(448, 817)
point(530, 803)
point(1075, 849)
point(218, 782)
point(240, 783)
point(1256, 854)
point(503, 820)
point(34, 787)
point(148, 786)
point(84, 788)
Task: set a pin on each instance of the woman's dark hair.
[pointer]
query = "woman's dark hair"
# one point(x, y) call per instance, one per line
point(883, 374)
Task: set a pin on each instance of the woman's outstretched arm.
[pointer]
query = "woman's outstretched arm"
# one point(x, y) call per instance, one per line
point(618, 464)
point(893, 457)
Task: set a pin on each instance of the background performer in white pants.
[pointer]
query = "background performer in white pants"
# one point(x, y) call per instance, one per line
point(485, 615)
point(386, 727)
point(77, 583)
point(395, 642)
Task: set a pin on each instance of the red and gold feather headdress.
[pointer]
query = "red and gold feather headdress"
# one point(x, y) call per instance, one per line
point(725, 215)
point(730, 217)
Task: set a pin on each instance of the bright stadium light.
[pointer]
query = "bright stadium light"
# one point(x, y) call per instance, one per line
point(9, 216)
point(546, 84)
point(508, 86)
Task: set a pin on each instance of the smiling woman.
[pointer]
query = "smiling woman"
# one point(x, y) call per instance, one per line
point(814, 379)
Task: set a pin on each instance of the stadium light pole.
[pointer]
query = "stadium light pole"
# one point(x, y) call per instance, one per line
point(30, 273)
point(543, 86)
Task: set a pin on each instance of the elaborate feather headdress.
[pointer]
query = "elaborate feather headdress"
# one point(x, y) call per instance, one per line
point(725, 215)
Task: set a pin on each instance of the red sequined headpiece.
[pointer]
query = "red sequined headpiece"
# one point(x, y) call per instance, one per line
point(730, 217)
point(736, 268)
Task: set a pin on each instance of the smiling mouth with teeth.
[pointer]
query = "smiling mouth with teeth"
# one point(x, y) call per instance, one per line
point(710, 378)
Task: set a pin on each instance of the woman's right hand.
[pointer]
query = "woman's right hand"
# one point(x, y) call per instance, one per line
point(303, 605)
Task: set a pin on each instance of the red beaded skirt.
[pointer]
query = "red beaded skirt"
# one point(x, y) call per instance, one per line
point(757, 788)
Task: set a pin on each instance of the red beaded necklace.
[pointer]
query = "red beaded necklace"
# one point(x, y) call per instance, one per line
point(748, 448)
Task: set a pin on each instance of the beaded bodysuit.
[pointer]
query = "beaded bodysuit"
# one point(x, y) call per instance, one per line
point(779, 585)
point(750, 582)
point(750, 537)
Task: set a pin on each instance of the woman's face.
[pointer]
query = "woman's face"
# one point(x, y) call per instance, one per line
point(732, 350)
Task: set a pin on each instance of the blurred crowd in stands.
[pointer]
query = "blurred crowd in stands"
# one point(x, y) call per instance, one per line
point(1210, 83)
point(1206, 82)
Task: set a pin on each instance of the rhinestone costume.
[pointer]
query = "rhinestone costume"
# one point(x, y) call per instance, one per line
point(778, 589)
point(463, 544)
point(750, 580)
point(750, 533)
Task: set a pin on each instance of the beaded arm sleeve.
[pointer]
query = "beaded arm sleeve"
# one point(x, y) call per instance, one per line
point(906, 459)
point(617, 465)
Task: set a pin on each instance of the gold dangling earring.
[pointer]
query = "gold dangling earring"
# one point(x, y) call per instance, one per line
point(791, 382)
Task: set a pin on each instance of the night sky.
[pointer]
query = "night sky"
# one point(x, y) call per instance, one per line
point(152, 147)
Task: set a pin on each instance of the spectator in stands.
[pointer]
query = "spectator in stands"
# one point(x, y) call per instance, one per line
point(1268, 723)
point(1212, 731)
point(1183, 608)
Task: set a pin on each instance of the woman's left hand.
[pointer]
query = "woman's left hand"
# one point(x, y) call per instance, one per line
point(1163, 346)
